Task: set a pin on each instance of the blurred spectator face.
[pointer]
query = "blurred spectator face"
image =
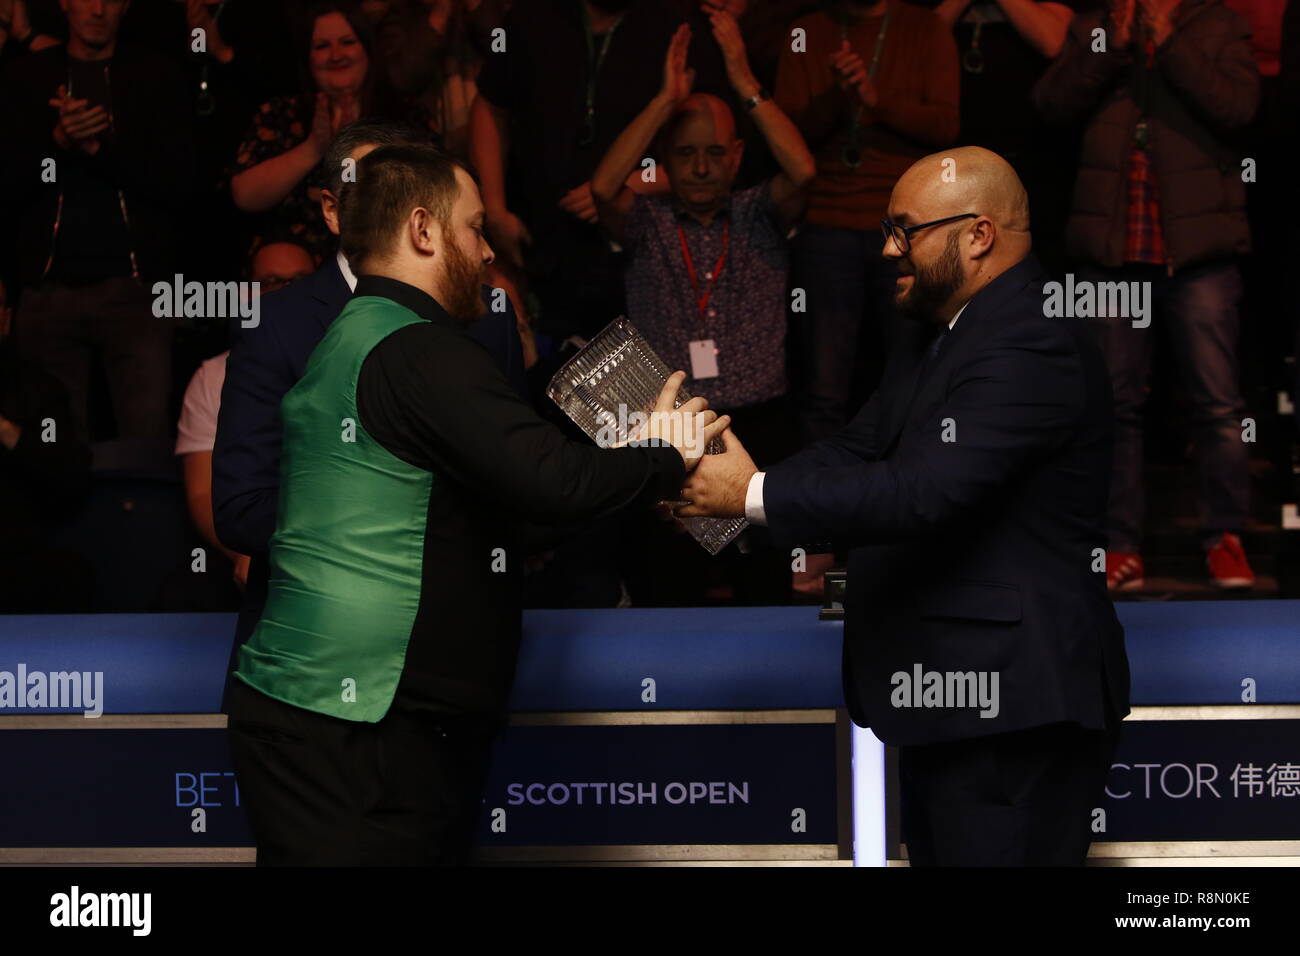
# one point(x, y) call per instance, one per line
point(277, 264)
point(338, 60)
point(329, 203)
point(703, 156)
point(466, 254)
point(94, 22)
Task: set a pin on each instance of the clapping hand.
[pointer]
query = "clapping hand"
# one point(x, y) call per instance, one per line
point(726, 33)
point(1121, 13)
point(579, 203)
point(199, 17)
point(79, 124)
point(1158, 17)
point(678, 77)
point(851, 75)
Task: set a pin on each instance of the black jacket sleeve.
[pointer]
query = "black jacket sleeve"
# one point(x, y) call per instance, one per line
point(434, 397)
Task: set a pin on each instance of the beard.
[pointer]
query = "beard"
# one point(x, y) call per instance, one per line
point(933, 286)
point(462, 282)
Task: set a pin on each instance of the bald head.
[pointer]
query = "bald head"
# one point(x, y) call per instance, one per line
point(702, 154)
point(961, 180)
point(942, 265)
point(705, 108)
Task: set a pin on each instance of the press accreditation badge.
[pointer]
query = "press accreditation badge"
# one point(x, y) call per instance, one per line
point(704, 359)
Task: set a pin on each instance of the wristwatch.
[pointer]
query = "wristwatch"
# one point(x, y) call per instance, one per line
point(757, 98)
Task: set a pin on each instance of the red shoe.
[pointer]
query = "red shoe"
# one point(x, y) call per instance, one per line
point(1124, 571)
point(1228, 565)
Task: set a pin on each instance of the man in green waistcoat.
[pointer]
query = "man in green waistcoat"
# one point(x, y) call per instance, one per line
point(366, 699)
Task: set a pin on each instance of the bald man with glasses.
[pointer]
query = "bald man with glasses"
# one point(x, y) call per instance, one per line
point(970, 493)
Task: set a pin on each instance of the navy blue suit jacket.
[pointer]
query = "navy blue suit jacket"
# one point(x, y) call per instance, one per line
point(264, 363)
point(972, 508)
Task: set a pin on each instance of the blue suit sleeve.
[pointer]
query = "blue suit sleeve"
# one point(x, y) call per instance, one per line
point(852, 444)
point(246, 457)
point(1019, 397)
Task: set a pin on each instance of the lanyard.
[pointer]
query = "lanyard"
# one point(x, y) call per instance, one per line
point(595, 59)
point(972, 60)
point(1143, 65)
point(205, 104)
point(121, 199)
point(852, 155)
point(702, 301)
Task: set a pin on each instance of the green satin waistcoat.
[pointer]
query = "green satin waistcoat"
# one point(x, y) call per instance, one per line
point(346, 556)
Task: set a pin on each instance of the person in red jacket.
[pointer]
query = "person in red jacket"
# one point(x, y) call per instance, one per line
point(1160, 201)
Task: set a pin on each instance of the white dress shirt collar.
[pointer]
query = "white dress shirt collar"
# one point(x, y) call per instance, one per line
point(348, 277)
point(958, 315)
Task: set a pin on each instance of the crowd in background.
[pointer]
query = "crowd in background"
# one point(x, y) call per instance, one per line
point(162, 138)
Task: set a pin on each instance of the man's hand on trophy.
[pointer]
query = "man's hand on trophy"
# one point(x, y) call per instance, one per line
point(688, 428)
point(717, 487)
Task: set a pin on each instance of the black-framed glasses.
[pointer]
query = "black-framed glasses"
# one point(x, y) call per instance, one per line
point(902, 235)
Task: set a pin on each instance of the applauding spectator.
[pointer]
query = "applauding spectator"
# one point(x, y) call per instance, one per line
point(707, 267)
point(1160, 201)
point(278, 167)
point(97, 159)
point(874, 90)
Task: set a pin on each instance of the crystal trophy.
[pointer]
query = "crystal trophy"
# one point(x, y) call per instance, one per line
point(614, 376)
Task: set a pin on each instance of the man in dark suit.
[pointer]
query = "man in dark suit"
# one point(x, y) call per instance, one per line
point(971, 492)
point(266, 360)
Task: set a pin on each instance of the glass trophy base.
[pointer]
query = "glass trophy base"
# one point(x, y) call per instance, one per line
point(612, 378)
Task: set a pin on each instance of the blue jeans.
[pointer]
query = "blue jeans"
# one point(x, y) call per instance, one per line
point(849, 289)
point(1198, 308)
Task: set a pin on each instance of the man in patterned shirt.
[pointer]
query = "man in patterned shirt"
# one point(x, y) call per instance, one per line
point(706, 274)
point(706, 271)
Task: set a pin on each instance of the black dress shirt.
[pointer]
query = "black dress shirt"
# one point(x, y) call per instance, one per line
point(432, 396)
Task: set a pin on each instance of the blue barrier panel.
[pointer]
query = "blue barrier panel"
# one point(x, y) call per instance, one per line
point(1198, 652)
point(150, 663)
point(698, 658)
point(1173, 780)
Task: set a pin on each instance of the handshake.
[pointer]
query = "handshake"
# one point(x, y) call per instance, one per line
point(716, 484)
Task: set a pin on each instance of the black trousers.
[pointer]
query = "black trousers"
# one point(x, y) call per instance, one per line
point(1017, 799)
point(60, 326)
point(321, 791)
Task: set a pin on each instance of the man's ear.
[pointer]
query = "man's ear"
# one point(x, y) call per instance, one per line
point(424, 233)
point(982, 233)
point(329, 210)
